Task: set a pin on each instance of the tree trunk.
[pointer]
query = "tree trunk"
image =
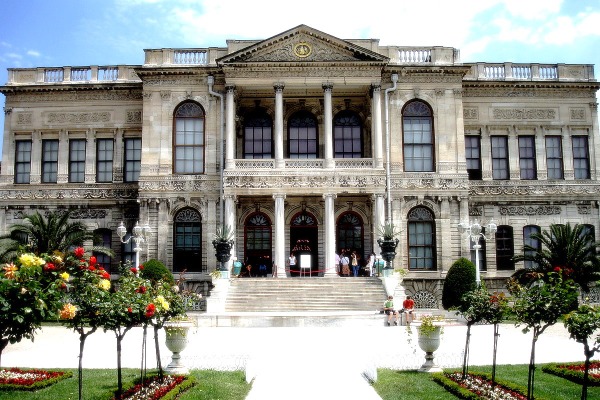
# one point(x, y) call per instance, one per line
point(465, 368)
point(82, 337)
point(531, 373)
point(157, 347)
point(496, 335)
point(143, 364)
point(3, 344)
point(586, 371)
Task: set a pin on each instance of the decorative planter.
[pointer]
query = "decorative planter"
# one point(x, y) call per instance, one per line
point(223, 250)
point(429, 342)
point(388, 249)
point(176, 339)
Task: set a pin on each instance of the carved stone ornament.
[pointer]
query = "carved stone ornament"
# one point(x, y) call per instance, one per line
point(530, 210)
point(125, 192)
point(514, 189)
point(302, 50)
point(524, 113)
point(78, 118)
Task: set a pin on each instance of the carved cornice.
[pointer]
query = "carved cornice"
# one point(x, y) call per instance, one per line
point(88, 192)
point(530, 210)
point(525, 92)
point(187, 183)
point(514, 188)
point(96, 95)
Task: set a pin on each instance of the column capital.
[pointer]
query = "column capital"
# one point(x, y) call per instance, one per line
point(331, 195)
point(230, 88)
point(279, 196)
point(278, 86)
point(327, 86)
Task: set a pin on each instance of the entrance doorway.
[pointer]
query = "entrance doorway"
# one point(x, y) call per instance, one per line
point(304, 241)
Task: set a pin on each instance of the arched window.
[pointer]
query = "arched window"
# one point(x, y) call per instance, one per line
point(258, 241)
point(187, 241)
point(347, 135)
point(350, 232)
point(421, 239)
point(188, 141)
point(417, 126)
point(258, 137)
point(505, 248)
point(528, 231)
point(302, 135)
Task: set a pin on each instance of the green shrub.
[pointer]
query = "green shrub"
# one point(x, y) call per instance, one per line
point(155, 271)
point(460, 279)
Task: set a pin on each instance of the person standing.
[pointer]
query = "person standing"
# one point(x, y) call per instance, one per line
point(292, 262)
point(345, 261)
point(354, 262)
point(337, 263)
point(371, 264)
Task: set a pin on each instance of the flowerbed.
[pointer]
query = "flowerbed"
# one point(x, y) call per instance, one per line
point(574, 371)
point(153, 389)
point(478, 386)
point(30, 379)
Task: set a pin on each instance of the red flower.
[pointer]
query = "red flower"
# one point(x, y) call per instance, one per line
point(141, 289)
point(49, 267)
point(150, 310)
point(79, 251)
point(557, 269)
point(133, 270)
point(129, 310)
point(92, 260)
point(141, 267)
point(92, 268)
point(105, 275)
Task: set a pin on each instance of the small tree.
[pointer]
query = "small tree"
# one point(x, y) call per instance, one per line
point(541, 305)
point(460, 279)
point(581, 324)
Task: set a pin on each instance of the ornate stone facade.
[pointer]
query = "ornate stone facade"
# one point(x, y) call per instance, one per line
point(306, 141)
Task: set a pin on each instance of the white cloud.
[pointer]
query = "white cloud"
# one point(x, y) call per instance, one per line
point(532, 9)
point(33, 53)
point(14, 56)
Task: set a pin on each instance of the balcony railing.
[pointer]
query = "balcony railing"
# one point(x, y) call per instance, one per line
point(91, 74)
point(183, 57)
point(531, 72)
point(422, 55)
point(269, 164)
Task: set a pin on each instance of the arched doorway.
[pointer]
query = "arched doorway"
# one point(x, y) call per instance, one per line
point(187, 241)
point(258, 245)
point(350, 236)
point(304, 241)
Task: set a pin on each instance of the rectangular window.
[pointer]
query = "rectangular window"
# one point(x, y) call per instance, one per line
point(103, 239)
point(418, 144)
point(49, 160)
point(22, 161)
point(133, 159)
point(505, 248)
point(104, 160)
point(500, 169)
point(527, 162)
point(77, 160)
point(581, 157)
point(532, 242)
point(554, 161)
point(421, 246)
point(473, 156)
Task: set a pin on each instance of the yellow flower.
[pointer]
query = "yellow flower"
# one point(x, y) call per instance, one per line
point(9, 271)
point(164, 304)
point(65, 276)
point(30, 260)
point(68, 311)
point(104, 284)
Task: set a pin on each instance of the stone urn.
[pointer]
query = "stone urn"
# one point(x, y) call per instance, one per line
point(222, 249)
point(429, 338)
point(176, 338)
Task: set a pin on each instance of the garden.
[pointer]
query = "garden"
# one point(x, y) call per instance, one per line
point(51, 277)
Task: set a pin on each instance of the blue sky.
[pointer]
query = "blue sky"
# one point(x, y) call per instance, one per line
point(56, 33)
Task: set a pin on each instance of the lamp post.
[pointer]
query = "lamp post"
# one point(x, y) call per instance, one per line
point(140, 236)
point(475, 232)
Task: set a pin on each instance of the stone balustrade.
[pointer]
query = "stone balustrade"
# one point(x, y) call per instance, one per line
point(309, 164)
point(57, 75)
point(530, 72)
point(435, 55)
point(183, 57)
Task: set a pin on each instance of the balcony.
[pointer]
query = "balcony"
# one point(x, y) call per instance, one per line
point(422, 55)
point(182, 57)
point(530, 72)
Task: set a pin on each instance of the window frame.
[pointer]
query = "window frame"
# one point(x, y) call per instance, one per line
point(500, 162)
point(417, 112)
point(132, 159)
point(23, 162)
point(77, 160)
point(104, 165)
point(258, 132)
point(189, 158)
point(505, 248)
point(347, 133)
point(558, 157)
point(529, 230)
point(421, 217)
point(350, 232)
point(105, 236)
point(307, 122)
point(50, 161)
point(581, 157)
point(527, 157)
point(475, 174)
point(190, 220)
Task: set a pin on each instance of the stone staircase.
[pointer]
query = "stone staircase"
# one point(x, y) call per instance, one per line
point(301, 295)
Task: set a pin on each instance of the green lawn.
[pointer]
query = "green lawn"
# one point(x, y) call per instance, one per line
point(391, 385)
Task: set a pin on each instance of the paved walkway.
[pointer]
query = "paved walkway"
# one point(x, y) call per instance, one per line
point(298, 363)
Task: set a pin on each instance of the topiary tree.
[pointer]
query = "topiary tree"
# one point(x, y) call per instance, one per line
point(155, 271)
point(460, 279)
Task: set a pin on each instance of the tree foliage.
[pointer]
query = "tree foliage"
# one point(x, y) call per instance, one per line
point(460, 279)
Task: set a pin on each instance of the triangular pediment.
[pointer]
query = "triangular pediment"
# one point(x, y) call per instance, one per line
point(302, 44)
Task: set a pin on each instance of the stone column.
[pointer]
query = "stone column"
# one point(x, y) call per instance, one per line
point(329, 266)
point(229, 220)
point(35, 175)
point(119, 147)
point(230, 127)
point(328, 125)
point(567, 148)
point(378, 219)
point(465, 243)
point(513, 155)
point(279, 231)
point(64, 157)
point(445, 232)
point(279, 125)
point(593, 142)
point(376, 133)
point(163, 228)
point(90, 158)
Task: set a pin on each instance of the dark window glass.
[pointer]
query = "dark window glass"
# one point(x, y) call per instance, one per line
point(473, 156)
point(417, 124)
point(505, 248)
point(133, 159)
point(127, 253)
point(350, 230)
point(554, 160)
point(104, 160)
point(527, 163)
point(302, 135)
point(187, 242)
point(347, 135)
point(189, 139)
point(581, 157)
point(49, 160)
point(529, 241)
point(77, 160)
point(103, 238)
point(500, 169)
point(421, 239)
point(22, 161)
point(258, 139)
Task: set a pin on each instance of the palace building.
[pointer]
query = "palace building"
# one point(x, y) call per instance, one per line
point(306, 143)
